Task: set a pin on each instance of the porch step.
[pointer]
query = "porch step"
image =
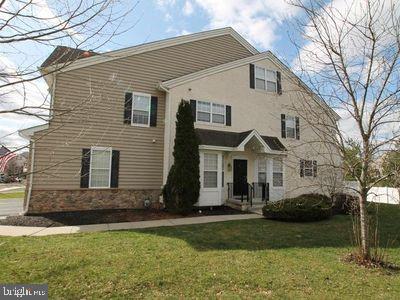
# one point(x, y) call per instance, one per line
point(245, 206)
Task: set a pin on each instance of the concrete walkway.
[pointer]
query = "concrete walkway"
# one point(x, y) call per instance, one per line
point(42, 231)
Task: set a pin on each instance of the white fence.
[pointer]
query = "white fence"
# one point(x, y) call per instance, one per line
point(377, 194)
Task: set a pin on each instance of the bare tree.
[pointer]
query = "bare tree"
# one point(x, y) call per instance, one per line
point(350, 59)
point(41, 25)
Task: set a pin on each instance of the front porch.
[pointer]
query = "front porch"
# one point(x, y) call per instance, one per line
point(244, 174)
point(248, 196)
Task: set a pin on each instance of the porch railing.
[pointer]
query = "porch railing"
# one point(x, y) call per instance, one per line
point(261, 190)
point(247, 192)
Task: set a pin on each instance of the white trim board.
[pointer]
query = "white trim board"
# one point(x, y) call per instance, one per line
point(27, 133)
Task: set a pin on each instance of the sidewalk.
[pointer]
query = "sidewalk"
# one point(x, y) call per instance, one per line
point(43, 231)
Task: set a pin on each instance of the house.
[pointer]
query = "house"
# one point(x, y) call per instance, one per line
point(110, 140)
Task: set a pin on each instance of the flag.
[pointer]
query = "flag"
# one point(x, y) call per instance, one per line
point(5, 156)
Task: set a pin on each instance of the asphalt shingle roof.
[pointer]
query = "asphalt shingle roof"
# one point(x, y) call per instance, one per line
point(233, 139)
point(63, 54)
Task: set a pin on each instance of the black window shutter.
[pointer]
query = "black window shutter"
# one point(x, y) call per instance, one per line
point(252, 76)
point(283, 126)
point(128, 108)
point(228, 109)
point(153, 111)
point(297, 128)
point(85, 168)
point(314, 168)
point(114, 169)
point(279, 82)
point(301, 167)
point(193, 106)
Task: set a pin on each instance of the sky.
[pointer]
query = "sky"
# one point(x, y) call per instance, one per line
point(266, 24)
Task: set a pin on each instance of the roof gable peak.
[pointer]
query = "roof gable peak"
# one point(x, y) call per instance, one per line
point(134, 50)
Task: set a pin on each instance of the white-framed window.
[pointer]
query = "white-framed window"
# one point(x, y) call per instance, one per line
point(262, 171)
point(141, 109)
point(265, 79)
point(218, 113)
point(277, 172)
point(100, 167)
point(210, 178)
point(210, 112)
point(290, 127)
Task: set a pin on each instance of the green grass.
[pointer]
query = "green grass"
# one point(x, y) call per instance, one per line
point(238, 259)
point(13, 194)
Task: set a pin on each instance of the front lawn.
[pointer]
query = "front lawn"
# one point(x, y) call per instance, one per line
point(251, 258)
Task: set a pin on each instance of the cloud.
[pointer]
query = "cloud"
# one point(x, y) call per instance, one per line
point(343, 16)
point(347, 22)
point(389, 125)
point(188, 8)
point(257, 20)
point(17, 96)
point(165, 3)
point(185, 32)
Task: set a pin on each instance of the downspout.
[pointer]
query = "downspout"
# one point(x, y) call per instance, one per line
point(53, 89)
point(167, 132)
point(28, 196)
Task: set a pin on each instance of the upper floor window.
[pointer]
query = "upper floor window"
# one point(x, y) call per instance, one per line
point(211, 112)
point(141, 109)
point(100, 167)
point(290, 127)
point(265, 79)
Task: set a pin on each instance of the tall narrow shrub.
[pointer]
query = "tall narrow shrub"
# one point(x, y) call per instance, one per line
point(183, 184)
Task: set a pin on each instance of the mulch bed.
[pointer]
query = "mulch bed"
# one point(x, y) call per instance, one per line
point(108, 216)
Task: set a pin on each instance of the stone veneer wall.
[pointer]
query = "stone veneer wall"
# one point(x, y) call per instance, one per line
point(43, 201)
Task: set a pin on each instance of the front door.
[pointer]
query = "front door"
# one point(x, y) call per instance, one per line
point(239, 177)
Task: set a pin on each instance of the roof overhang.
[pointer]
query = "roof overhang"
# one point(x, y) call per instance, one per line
point(211, 140)
point(27, 133)
point(121, 53)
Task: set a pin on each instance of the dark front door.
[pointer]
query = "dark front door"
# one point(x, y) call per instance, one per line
point(239, 177)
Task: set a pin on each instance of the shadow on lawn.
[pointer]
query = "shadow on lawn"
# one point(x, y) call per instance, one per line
point(262, 234)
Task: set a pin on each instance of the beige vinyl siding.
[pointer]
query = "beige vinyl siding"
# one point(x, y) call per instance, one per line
point(261, 110)
point(96, 96)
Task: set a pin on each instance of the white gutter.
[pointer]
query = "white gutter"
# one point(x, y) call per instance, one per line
point(28, 196)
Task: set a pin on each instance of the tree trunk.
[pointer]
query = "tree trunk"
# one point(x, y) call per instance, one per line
point(364, 236)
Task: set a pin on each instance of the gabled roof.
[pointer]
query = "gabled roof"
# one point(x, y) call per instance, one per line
point(166, 85)
point(109, 56)
point(236, 139)
point(63, 54)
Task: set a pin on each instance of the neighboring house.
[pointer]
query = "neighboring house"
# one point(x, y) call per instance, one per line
point(114, 148)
